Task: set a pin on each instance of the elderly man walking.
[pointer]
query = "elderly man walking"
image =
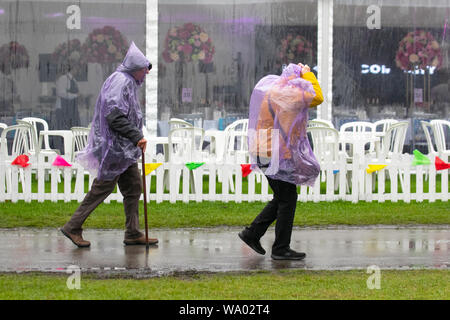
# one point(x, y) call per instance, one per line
point(115, 144)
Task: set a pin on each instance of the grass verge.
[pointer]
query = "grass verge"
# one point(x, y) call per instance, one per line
point(212, 214)
point(280, 285)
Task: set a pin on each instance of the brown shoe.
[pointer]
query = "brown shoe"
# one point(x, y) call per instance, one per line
point(140, 241)
point(76, 239)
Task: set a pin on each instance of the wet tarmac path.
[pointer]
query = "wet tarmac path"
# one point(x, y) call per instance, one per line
point(221, 250)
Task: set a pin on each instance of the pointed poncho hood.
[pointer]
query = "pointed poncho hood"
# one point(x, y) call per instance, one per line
point(133, 61)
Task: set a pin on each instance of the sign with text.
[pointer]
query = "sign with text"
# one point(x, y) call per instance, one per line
point(186, 95)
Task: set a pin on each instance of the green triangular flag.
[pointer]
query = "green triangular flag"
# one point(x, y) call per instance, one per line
point(420, 158)
point(194, 165)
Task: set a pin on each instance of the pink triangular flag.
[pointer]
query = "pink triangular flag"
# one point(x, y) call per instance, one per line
point(59, 161)
point(440, 164)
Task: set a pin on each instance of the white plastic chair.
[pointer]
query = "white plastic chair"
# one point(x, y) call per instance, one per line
point(356, 127)
point(325, 144)
point(427, 129)
point(393, 143)
point(235, 146)
point(20, 145)
point(185, 145)
point(384, 124)
point(3, 125)
point(35, 122)
point(320, 123)
point(80, 140)
point(440, 129)
point(178, 123)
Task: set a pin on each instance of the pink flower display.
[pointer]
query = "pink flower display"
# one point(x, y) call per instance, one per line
point(14, 56)
point(105, 45)
point(71, 52)
point(294, 49)
point(188, 43)
point(418, 49)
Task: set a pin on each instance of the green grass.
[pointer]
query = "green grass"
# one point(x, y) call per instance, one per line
point(276, 285)
point(211, 214)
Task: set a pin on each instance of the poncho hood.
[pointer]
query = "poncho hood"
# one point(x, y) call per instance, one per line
point(134, 60)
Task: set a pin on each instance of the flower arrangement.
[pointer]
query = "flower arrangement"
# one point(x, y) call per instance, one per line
point(295, 48)
point(188, 43)
point(70, 52)
point(13, 56)
point(105, 46)
point(418, 49)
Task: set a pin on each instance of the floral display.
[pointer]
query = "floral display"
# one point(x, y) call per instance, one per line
point(418, 49)
point(13, 56)
point(71, 52)
point(105, 46)
point(294, 49)
point(188, 43)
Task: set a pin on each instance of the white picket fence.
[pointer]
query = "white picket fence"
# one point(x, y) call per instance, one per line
point(16, 183)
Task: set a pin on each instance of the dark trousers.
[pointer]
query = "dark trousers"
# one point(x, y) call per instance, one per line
point(282, 209)
point(130, 186)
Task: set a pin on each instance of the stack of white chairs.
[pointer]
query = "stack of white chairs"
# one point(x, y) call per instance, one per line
point(357, 127)
point(392, 146)
point(428, 130)
point(36, 148)
point(185, 145)
point(383, 125)
point(325, 144)
point(320, 123)
point(22, 144)
point(441, 131)
point(235, 147)
point(80, 139)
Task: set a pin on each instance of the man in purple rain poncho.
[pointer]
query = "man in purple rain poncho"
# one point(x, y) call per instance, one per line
point(279, 146)
point(114, 146)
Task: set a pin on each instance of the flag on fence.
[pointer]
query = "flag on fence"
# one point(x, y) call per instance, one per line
point(149, 167)
point(194, 165)
point(420, 158)
point(22, 161)
point(375, 167)
point(60, 162)
point(245, 170)
point(440, 164)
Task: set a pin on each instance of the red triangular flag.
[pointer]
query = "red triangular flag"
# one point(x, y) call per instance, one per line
point(440, 164)
point(245, 170)
point(22, 161)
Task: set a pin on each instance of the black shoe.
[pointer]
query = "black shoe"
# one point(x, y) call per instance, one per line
point(252, 243)
point(289, 255)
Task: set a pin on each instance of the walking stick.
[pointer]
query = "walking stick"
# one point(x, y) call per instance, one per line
point(145, 198)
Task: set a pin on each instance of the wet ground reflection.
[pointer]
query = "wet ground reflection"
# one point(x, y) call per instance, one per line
point(220, 249)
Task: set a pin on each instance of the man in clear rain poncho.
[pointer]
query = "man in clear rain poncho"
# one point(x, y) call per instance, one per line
point(114, 146)
point(279, 146)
